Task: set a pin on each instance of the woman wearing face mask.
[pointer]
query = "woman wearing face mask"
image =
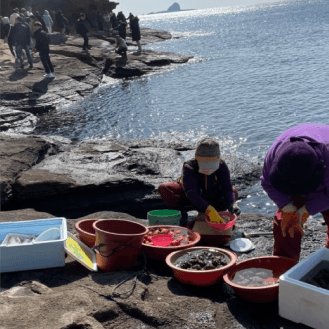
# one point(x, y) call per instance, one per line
point(205, 184)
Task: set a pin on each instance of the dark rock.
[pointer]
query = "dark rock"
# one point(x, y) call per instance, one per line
point(17, 155)
point(56, 38)
point(101, 175)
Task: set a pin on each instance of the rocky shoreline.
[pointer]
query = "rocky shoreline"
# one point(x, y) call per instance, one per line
point(77, 73)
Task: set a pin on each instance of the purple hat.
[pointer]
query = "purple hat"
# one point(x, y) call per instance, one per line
point(297, 168)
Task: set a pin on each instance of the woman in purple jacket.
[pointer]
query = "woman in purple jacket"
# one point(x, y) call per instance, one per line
point(205, 184)
point(296, 177)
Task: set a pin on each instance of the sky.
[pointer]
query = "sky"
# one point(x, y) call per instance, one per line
point(141, 7)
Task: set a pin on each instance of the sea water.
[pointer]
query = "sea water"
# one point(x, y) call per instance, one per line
point(257, 71)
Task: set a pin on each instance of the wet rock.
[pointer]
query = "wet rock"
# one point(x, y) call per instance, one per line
point(12, 120)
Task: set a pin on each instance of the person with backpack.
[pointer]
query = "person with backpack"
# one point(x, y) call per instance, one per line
point(42, 46)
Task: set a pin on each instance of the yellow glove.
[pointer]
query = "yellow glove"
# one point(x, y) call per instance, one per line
point(303, 215)
point(213, 215)
point(293, 220)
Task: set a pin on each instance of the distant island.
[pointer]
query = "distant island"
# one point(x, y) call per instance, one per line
point(174, 7)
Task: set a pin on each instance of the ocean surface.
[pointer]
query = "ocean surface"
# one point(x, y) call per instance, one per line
point(257, 70)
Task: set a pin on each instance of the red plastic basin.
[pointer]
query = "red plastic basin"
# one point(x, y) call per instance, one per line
point(278, 265)
point(200, 278)
point(86, 231)
point(225, 226)
point(160, 253)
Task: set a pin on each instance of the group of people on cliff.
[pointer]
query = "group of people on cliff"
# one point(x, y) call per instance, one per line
point(295, 176)
point(21, 30)
point(111, 23)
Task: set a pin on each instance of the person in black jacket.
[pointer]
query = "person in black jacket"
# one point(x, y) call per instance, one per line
point(40, 19)
point(135, 30)
point(83, 31)
point(20, 38)
point(113, 20)
point(42, 46)
point(122, 29)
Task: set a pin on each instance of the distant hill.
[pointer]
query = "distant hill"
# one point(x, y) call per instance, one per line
point(174, 7)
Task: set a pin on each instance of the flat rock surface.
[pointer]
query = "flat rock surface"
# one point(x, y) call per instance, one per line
point(97, 174)
point(72, 297)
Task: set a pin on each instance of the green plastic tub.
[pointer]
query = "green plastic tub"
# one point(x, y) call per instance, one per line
point(164, 217)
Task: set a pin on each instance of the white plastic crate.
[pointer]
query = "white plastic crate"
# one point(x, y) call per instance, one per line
point(35, 255)
point(302, 302)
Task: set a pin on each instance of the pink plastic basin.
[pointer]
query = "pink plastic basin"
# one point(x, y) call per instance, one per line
point(225, 226)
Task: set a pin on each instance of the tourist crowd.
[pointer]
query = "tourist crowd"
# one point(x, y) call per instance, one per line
point(27, 32)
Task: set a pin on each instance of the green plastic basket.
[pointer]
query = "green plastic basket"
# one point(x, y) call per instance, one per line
point(164, 217)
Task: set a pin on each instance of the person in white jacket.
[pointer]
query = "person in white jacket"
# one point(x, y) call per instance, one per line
point(48, 21)
point(13, 17)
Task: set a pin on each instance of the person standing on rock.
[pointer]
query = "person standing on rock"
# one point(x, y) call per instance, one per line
point(21, 38)
point(48, 21)
point(107, 20)
point(121, 47)
point(121, 17)
point(60, 23)
point(122, 29)
point(296, 177)
point(83, 31)
point(135, 30)
point(114, 22)
point(42, 46)
point(205, 184)
point(5, 28)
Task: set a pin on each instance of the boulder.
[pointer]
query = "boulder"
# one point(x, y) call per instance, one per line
point(56, 38)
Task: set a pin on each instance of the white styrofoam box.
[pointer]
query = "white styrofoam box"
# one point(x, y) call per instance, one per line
point(302, 302)
point(35, 255)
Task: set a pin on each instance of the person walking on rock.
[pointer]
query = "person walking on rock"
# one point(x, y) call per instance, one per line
point(296, 177)
point(205, 184)
point(135, 30)
point(83, 31)
point(42, 46)
point(21, 38)
point(121, 47)
point(48, 21)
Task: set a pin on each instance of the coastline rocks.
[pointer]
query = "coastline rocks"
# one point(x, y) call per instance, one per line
point(98, 174)
point(77, 73)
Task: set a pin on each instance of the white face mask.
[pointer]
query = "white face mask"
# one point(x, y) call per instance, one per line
point(208, 168)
